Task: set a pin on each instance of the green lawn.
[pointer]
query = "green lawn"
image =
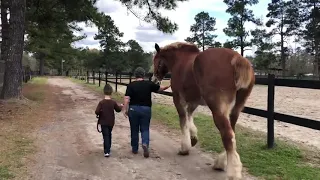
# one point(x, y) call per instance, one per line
point(286, 161)
point(38, 80)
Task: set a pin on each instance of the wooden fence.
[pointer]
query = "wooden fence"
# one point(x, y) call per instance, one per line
point(269, 114)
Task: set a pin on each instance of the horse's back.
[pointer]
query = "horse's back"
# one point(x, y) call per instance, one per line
point(215, 68)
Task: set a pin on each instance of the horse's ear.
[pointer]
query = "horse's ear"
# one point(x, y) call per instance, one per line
point(157, 47)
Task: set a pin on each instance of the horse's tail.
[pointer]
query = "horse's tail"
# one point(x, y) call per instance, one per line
point(244, 82)
point(244, 75)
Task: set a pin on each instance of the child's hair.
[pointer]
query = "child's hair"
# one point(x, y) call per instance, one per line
point(107, 90)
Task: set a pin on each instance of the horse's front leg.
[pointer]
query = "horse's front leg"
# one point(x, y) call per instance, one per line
point(181, 107)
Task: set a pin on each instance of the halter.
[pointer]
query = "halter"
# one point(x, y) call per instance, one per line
point(159, 66)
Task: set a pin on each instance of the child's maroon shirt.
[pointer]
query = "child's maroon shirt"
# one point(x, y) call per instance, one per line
point(105, 110)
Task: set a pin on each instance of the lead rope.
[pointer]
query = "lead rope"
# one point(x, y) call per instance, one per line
point(98, 124)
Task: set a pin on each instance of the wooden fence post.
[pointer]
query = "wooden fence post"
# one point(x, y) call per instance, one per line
point(106, 77)
point(270, 109)
point(120, 77)
point(93, 77)
point(116, 81)
point(130, 77)
point(87, 76)
point(99, 78)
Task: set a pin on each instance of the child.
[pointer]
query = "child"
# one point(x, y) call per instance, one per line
point(105, 111)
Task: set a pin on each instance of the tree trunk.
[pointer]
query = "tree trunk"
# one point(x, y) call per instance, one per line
point(13, 75)
point(203, 36)
point(41, 65)
point(317, 62)
point(5, 39)
point(241, 46)
point(283, 58)
point(318, 67)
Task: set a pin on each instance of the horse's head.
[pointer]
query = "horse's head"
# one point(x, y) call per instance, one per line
point(167, 56)
point(160, 69)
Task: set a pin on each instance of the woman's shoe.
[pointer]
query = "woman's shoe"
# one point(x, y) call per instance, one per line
point(145, 151)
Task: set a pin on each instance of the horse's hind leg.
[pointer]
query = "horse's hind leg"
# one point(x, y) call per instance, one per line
point(181, 107)
point(193, 129)
point(221, 110)
point(241, 98)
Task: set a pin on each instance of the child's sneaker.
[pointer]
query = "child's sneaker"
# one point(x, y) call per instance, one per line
point(106, 155)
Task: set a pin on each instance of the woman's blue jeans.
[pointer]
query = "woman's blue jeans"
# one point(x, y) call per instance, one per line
point(139, 117)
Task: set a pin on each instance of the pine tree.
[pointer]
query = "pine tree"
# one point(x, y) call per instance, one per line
point(284, 18)
point(236, 24)
point(202, 31)
point(311, 33)
point(264, 54)
point(153, 15)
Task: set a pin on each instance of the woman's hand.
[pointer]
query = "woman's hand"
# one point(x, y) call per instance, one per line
point(162, 88)
point(125, 113)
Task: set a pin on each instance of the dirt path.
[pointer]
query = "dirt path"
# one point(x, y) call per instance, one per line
point(71, 148)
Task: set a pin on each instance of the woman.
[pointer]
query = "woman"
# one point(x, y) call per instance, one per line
point(137, 105)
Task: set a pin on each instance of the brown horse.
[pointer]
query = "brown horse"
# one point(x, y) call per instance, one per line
point(219, 78)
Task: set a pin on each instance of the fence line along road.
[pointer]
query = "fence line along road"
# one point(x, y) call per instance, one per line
point(270, 81)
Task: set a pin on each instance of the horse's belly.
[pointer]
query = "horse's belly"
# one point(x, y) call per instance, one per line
point(192, 95)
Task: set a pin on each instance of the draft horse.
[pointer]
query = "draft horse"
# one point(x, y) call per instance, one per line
point(219, 78)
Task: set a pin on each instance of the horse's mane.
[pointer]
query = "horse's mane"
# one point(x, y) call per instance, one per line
point(181, 46)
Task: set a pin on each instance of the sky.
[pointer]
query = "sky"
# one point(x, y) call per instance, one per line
point(147, 35)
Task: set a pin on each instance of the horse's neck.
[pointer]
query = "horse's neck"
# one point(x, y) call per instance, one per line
point(182, 60)
point(181, 73)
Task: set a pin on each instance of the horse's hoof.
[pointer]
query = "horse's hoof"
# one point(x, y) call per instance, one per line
point(194, 141)
point(183, 153)
point(233, 178)
point(218, 168)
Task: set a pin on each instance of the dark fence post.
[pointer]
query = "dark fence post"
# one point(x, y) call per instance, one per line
point(120, 77)
point(270, 109)
point(87, 76)
point(106, 77)
point(83, 77)
point(116, 81)
point(130, 77)
point(93, 77)
point(99, 78)
point(150, 76)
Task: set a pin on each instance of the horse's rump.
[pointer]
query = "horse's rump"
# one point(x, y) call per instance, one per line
point(223, 69)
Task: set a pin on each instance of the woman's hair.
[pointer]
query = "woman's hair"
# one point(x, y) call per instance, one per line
point(107, 90)
point(139, 72)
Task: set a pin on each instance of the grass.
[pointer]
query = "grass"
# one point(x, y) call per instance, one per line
point(38, 80)
point(17, 121)
point(286, 161)
point(5, 173)
point(35, 86)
